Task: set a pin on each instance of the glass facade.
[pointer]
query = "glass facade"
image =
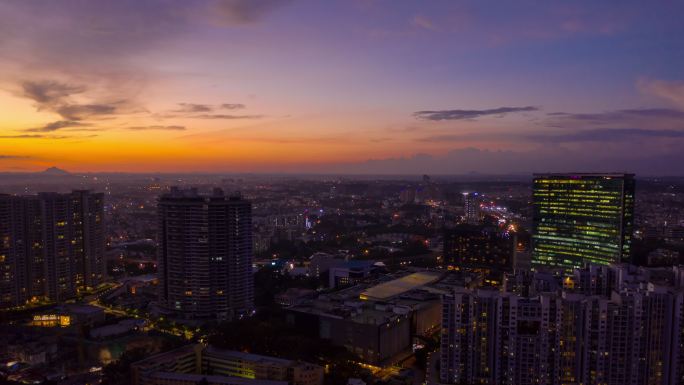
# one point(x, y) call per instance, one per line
point(582, 218)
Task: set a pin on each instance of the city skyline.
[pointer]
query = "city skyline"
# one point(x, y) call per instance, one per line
point(362, 87)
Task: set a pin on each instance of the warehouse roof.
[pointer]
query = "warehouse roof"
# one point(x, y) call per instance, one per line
point(399, 286)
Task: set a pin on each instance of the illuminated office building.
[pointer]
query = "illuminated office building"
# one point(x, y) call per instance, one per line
point(205, 254)
point(581, 218)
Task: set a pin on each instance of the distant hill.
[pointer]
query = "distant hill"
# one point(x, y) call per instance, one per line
point(54, 171)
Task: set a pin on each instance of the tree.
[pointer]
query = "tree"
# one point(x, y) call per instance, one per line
point(119, 372)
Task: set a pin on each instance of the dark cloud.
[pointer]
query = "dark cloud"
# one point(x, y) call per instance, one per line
point(34, 136)
point(166, 128)
point(228, 117)
point(193, 107)
point(21, 136)
point(232, 106)
point(48, 92)
point(446, 138)
point(469, 114)
point(58, 125)
point(606, 135)
point(56, 97)
point(565, 136)
point(619, 116)
point(82, 111)
point(232, 12)
point(14, 157)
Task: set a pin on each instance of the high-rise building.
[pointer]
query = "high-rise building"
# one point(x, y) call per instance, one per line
point(471, 207)
point(581, 218)
point(205, 254)
point(478, 247)
point(51, 246)
point(632, 335)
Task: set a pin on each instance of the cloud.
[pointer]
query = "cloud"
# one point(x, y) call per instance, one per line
point(58, 125)
point(2, 157)
point(232, 106)
point(193, 107)
point(165, 128)
point(421, 21)
point(34, 136)
point(82, 111)
point(238, 12)
point(469, 114)
point(671, 91)
point(49, 92)
point(606, 135)
point(621, 115)
point(450, 138)
point(632, 122)
point(228, 117)
point(89, 52)
point(54, 96)
point(111, 32)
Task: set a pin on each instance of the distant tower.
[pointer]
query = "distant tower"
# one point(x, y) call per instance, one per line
point(205, 254)
point(408, 195)
point(580, 218)
point(471, 208)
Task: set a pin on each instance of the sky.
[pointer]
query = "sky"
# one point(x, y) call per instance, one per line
point(354, 86)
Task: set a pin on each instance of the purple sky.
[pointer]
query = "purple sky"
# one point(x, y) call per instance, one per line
point(359, 86)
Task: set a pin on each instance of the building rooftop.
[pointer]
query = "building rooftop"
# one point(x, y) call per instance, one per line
point(387, 290)
point(196, 378)
point(583, 174)
point(246, 356)
point(171, 355)
point(83, 309)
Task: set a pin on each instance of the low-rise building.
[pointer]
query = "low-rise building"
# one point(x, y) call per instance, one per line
point(294, 296)
point(166, 378)
point(238, 364)
point(376, 322)
point(184, 360)
point(225, 367)
point(350, 273)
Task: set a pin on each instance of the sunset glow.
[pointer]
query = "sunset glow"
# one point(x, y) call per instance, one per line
point(358, 86)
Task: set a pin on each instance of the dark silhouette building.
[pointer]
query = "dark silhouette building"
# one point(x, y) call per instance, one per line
point(51, 246)
point(478, 247)
point(205, 254)
point(581, 218)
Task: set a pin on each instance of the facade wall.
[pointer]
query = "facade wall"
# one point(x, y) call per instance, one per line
point(51, 246)
point(205, 255)
point(632, 337)
point(583, 218)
